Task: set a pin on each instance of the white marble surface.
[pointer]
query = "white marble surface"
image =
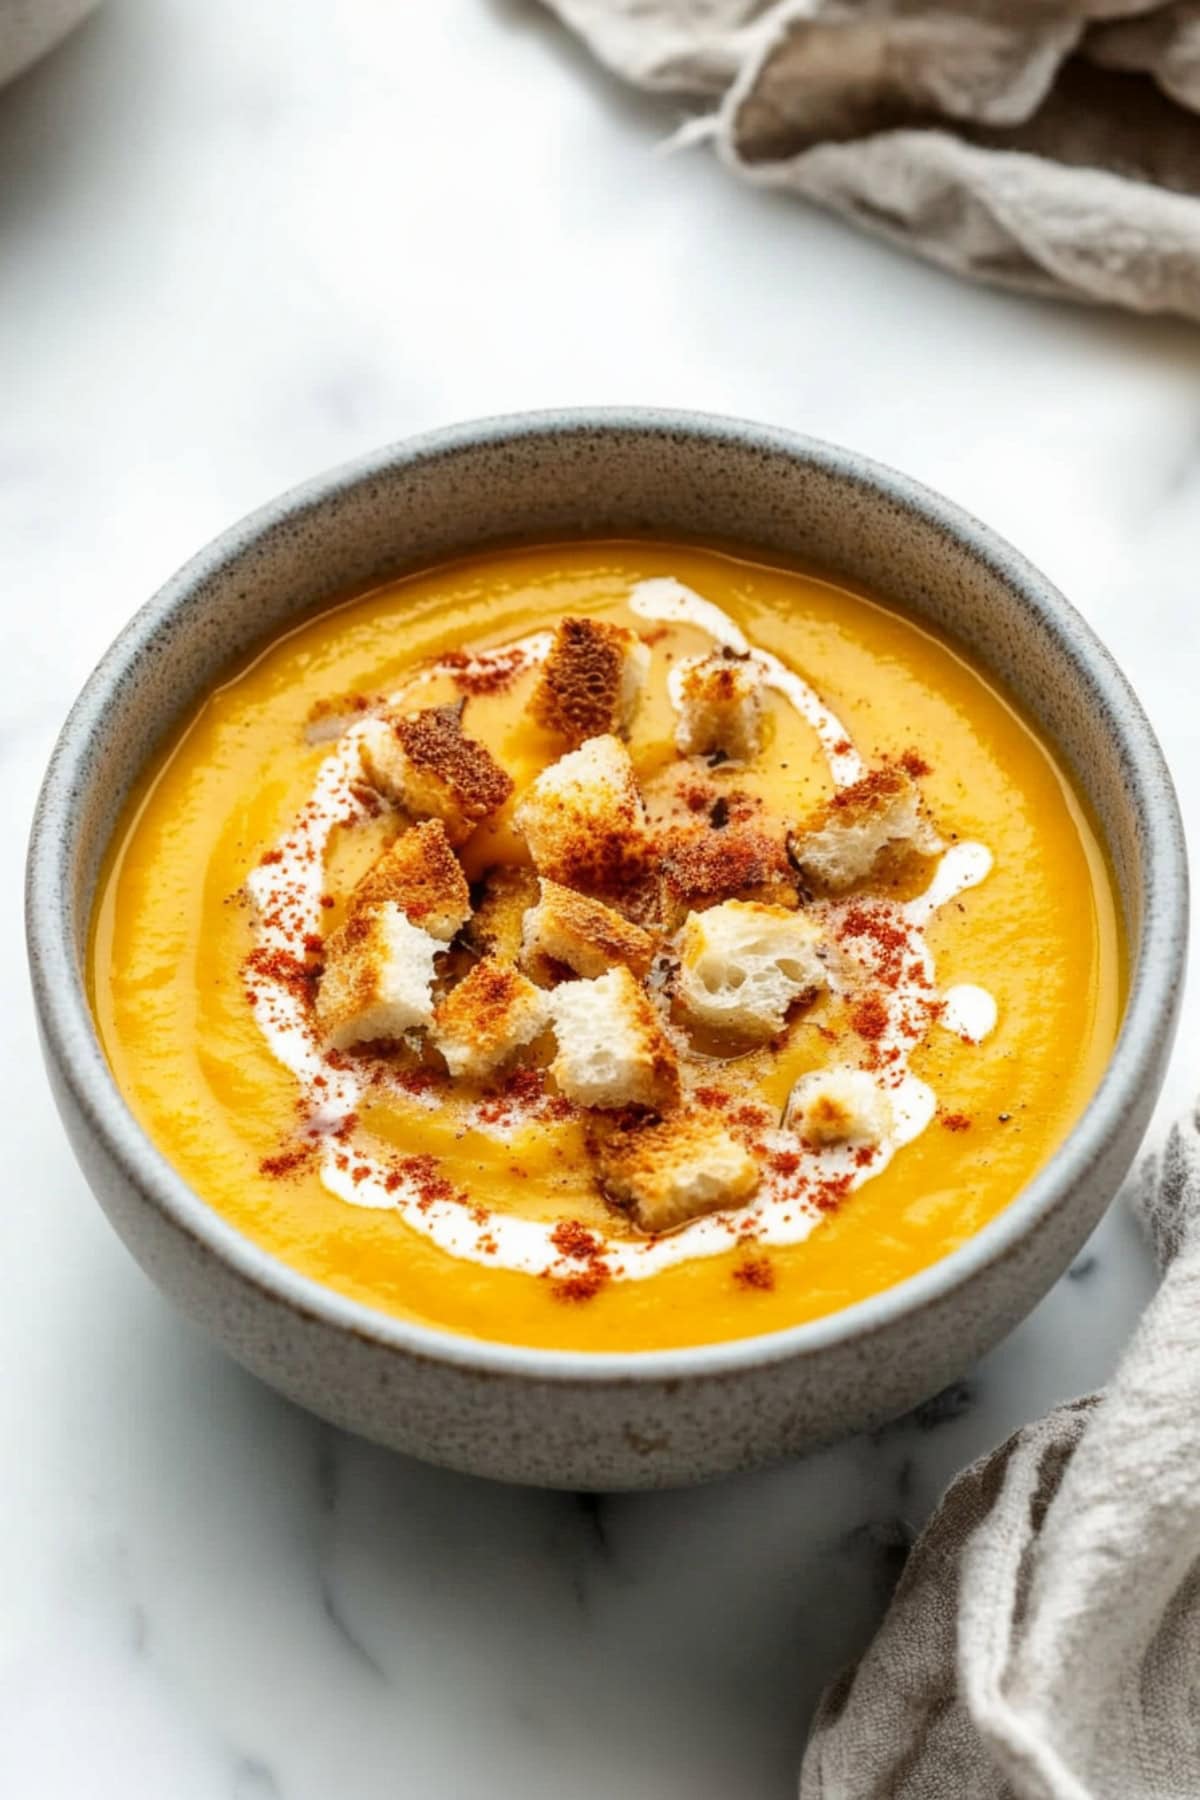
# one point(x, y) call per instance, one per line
point(238, 243)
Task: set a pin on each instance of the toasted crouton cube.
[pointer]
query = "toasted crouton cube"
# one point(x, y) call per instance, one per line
point(487, 1018)
point(841, 843)
point(583, 933)
point(673, 1170)
point(743, 965)
point(720, 699)
point(425, 763)
point(378, 974)
point(497, 925)
point(701, 865)
point(838, 1106)
point(584, 822)
point(612, 1048)
point(591, 680)
point(421, 873)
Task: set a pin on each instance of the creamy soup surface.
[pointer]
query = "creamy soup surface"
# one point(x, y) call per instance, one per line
point(608, 946)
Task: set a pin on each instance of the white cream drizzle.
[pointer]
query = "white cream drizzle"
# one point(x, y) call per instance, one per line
point(968, 1011)
point(287, 891)
point(668, 601)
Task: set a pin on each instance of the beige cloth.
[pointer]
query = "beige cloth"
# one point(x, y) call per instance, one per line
point(1044, 1640)
point(1052, 145)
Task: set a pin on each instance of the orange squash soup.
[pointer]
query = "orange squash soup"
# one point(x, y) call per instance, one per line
point(607, 946)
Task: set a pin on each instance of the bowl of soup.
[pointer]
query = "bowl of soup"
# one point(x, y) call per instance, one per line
point(601, 949)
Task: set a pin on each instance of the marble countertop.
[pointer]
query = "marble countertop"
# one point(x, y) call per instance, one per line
point(238, 244)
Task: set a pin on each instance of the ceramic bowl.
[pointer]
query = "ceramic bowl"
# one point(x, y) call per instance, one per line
point(569, 1419)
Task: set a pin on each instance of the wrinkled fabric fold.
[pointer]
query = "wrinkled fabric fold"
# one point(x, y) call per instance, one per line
point(1044, 1639)
point(1051, 145)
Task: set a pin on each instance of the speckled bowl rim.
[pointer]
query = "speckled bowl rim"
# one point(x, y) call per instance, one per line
point(1160, 953)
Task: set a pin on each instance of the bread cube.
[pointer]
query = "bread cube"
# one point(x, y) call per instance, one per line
point(379, 970)
point(584, 822)
point(497, 925)
point(487, 1018)
point(591, 680)
point(668, 1172)
point(702, 865)
point(839, 1106)
point(841, 843)
point(425, 763)
point(583, 933)
point(720, 699)
point(421, 873)
point(612, 1048)
point(743, 965)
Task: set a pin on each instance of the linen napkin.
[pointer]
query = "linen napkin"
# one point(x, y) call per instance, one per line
point(1052, 145)
point(1044, 1639)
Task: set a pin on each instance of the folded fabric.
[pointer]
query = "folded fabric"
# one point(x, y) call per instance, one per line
point(1044, 1639)
point(28, 28)
point(1052, 145)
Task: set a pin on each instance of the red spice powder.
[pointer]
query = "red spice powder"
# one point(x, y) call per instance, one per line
point(571, 1237)
point(278, 966)
point(584, 1286)
point(755, 1273)
point(914, 764)
point(713, 1097)
point(829, 1194)
point(526, 1085)
point(287, 1162)
point(888, 939)
point(426, 1177)
point(843, 747)
point(956, 1121)
point(869, 1017)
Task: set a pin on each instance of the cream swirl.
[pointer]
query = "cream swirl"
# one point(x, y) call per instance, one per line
point(287, 889)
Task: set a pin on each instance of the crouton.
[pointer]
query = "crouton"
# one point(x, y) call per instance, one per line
point(703, 864)
point(496, 926)
point(720, 700)
point(584, 822)
point(421, 873)
point(379, 970)
point(612, 1048)
point(487, 1018)
point(425, 763)
point(743, 965)
point(838, 1106)
point(583, 933)
point(841, 843)
point(591, 680)
point(668, 1172)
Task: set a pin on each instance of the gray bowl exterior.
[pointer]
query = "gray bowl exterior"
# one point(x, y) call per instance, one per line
point(611, 1420)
